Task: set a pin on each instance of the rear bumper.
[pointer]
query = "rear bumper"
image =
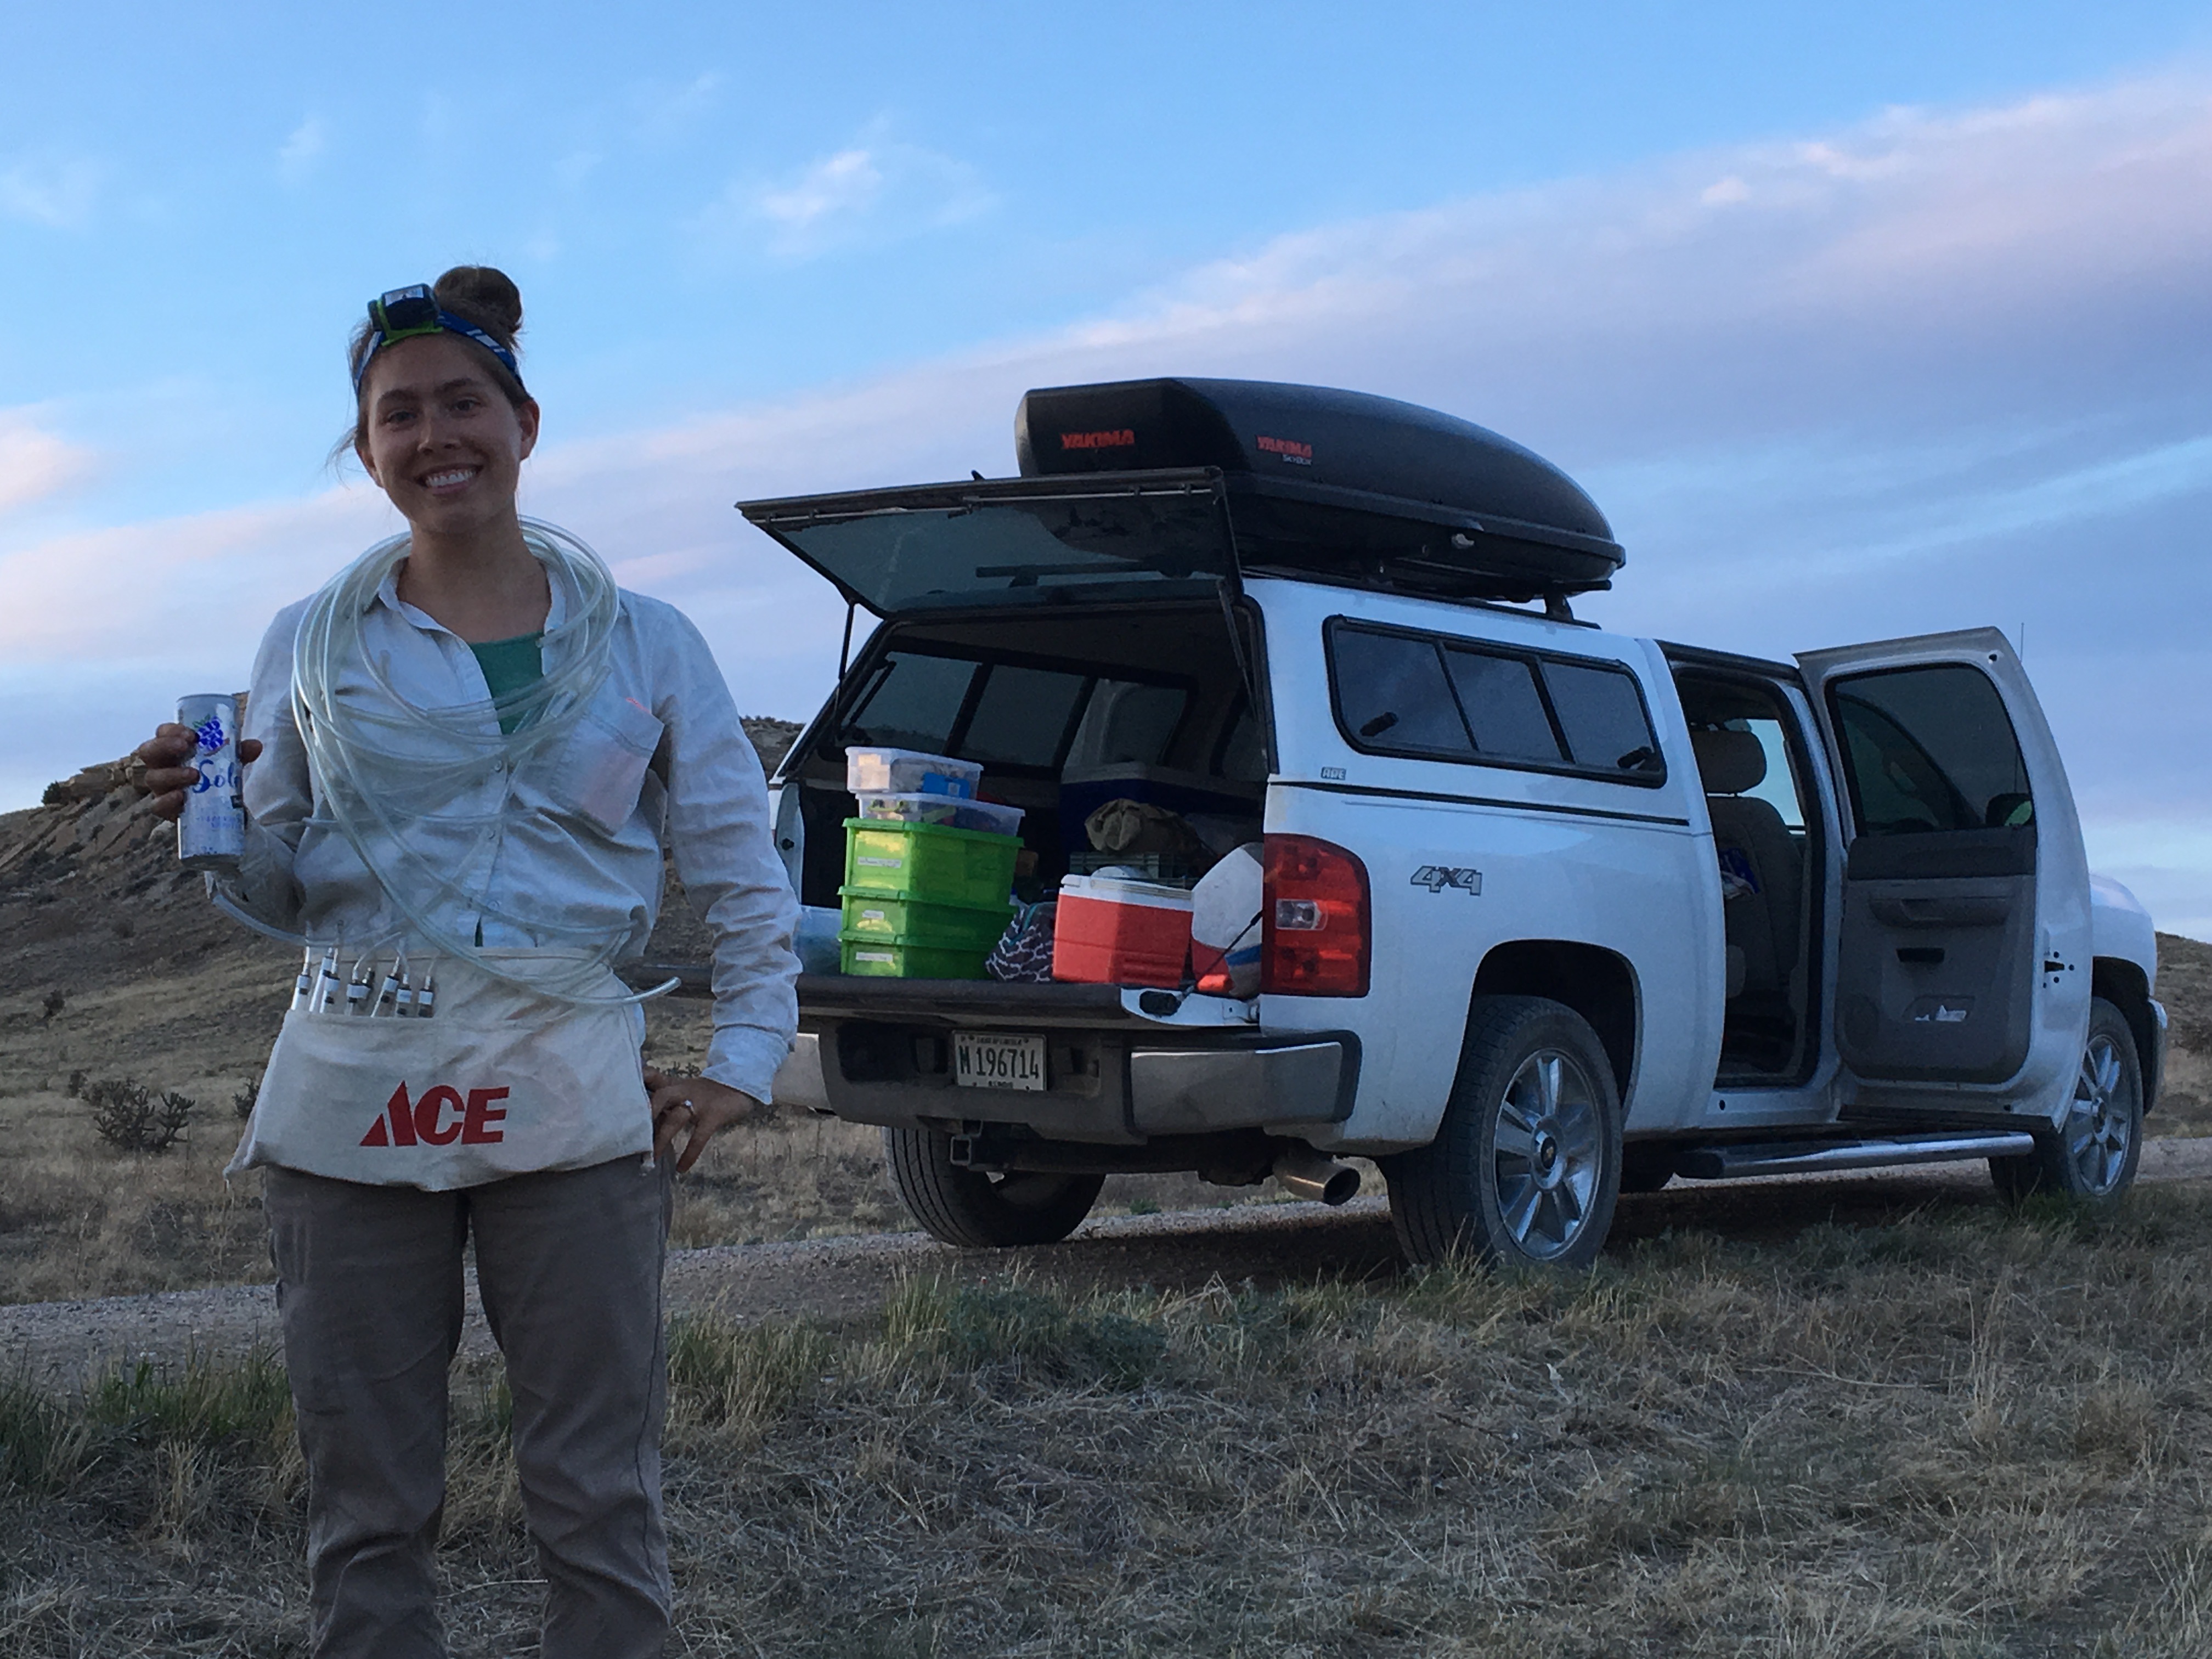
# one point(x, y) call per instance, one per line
point(880, 1052)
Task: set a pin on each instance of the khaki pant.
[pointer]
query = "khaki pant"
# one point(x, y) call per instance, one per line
point(370, 1292)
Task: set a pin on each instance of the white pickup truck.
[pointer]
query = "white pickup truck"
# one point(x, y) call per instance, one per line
point(1549, 912)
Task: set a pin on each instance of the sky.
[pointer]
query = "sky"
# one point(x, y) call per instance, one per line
point(1857, 322)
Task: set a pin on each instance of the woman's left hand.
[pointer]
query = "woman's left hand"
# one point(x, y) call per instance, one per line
point(695, 1106)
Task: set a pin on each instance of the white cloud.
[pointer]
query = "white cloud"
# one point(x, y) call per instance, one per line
point(297, 155)
point(35, 465)
point(52, 192)
point(844, 184)
point(664, 113)
point(874, 191)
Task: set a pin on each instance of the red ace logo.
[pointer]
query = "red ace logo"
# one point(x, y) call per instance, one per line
point(441, 1117)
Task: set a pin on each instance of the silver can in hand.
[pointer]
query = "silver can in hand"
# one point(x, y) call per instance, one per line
point(211, 830)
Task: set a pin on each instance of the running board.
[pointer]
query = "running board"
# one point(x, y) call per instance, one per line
point(1822, 1157)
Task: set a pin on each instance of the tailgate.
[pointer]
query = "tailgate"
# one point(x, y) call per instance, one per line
point(1120, 1065)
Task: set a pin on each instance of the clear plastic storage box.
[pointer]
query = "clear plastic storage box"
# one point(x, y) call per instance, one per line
point(987, 815)
point(909, 772)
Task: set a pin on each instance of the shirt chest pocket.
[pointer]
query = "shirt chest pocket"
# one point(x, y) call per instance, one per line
point(599, 767)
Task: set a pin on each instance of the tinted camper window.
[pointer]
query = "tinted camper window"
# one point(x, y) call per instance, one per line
point(914, 702)
point(1392, 695)
point(1503, 705)
point(1422, 695)
point(1601, 713)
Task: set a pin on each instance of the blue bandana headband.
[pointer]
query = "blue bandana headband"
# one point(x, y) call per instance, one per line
point(405, 313)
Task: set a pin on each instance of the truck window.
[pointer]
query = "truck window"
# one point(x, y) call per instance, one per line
point(1023, 716)
point(1779, 789)
point(1014, 715)
point(1503, 705)
point(914, 703)
point(1391, 694)
point(1127, 721)
point(1443, 699)
point(1929, 750)
point(1601, 713)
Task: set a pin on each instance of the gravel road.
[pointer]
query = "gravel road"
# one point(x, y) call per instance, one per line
point(834, 1279)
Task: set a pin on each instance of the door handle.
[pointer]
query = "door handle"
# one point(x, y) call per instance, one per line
point(1941, 911)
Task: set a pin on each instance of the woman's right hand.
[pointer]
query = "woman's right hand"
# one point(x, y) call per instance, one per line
point(167, 775)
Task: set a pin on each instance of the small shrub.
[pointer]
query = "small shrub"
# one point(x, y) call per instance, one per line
point(58, 794)
point(242, 1101)
point(76, 1084)
point(129, 1117)
point(54, 1004)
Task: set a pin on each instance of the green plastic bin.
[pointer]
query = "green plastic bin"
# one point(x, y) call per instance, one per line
point(933, 862)
point(893, 957)
point(967, 926)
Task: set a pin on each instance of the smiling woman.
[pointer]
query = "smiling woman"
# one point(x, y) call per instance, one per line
point(466, 752)
point(443, 426)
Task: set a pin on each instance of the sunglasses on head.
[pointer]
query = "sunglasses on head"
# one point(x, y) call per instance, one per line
point(402, 313)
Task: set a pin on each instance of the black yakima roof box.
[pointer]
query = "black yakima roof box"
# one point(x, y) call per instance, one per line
point(1340, 484)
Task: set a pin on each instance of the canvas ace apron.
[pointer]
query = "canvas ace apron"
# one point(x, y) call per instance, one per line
point(501, 1082)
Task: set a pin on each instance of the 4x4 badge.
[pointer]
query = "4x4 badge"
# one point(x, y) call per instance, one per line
point(1437, 877)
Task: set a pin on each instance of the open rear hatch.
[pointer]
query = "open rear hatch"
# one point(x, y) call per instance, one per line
point(1163, 489)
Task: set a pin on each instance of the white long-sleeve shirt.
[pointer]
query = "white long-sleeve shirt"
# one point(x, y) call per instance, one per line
point(572, 835)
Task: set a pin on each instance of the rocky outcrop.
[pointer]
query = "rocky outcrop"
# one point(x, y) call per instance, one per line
point(96, 821)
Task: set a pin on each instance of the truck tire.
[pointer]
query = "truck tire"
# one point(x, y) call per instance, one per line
point(976, 1211)
point(2091, 1155)
point(1526, 1167)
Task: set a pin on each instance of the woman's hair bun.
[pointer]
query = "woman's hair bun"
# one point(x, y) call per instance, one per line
point(484, 296)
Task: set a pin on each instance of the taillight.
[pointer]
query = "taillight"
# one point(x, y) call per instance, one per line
point(1314, 932)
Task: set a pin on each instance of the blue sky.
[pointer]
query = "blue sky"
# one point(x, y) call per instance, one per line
point(1857, 320)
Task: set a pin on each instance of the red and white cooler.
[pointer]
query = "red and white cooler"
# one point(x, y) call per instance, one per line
point(1109, 930)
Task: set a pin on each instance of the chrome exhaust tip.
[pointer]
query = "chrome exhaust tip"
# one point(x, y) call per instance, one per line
point(1304, 1173)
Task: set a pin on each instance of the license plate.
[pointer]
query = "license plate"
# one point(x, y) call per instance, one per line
point(985, 1060)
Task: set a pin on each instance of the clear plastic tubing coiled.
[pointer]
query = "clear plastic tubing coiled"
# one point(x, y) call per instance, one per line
point(380, 762)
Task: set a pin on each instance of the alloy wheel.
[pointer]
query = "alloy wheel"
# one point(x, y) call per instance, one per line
point(2100, 1123)
point(1546, 1152)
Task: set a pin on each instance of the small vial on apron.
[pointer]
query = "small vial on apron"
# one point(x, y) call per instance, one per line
point(426, 999)
point(304, 986)
point(357, 989)
point(211, 829)
point(326, 982)
point(389, 993)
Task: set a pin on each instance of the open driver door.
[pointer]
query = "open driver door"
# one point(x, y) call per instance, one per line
point(1964, 955)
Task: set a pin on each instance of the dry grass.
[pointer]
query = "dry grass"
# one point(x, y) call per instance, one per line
point(78, 1218)
point(1962, 1434)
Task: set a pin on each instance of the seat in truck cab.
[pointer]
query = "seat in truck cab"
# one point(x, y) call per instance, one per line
point(1760, 866)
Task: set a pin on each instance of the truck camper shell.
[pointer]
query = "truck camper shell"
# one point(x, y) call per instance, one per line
point(1169, 488)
